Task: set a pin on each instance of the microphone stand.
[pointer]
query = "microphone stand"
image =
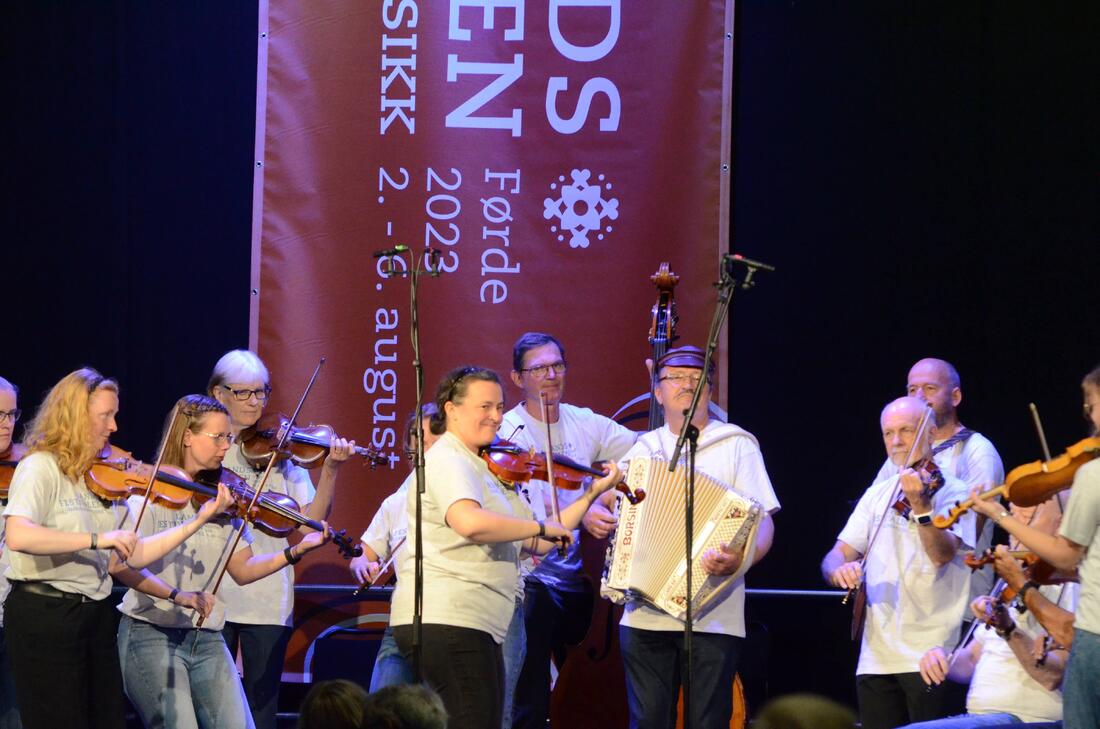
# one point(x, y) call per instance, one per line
point(689, 434)
point(426, 263)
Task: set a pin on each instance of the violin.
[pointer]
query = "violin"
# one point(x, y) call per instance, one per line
point(307, 447)
point(1032, 483)
point(119, 476)
point(9, 459)
point(513, 464)
point(1035, 570)
point(932, 478)
point(274, 514)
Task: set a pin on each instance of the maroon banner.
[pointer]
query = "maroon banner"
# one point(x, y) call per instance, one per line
point(553, 153)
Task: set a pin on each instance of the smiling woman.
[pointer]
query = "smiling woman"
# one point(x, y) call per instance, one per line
point(473, 531)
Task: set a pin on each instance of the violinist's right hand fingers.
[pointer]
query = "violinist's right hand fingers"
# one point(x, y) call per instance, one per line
point(555, 530)
point(123, 542)
point(847, 575)
point(372, 571)
point(933, 666)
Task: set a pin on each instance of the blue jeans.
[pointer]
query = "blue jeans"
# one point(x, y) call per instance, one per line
point(390, 668)
point(653, 658)
point(180, 678)
point(263, 650)
point(1081, 690)
point(515, 650)
point(966, 721)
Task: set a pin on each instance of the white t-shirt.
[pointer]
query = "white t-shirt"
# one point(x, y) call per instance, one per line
point(732, 456)
point(193, 566)
point(40, 492)
point(390, 522)
point(583, 436)
point(1000, 682)
point(268, 601)
point(1081, 524)
point(975, 462)
point(467, 585)
point(912, 605)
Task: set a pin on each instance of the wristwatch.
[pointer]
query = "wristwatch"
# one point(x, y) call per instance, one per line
point(923, 519)
point(1007, 632)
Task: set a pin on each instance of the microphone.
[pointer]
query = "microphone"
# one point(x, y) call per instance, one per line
point(387, 252)
point(738, 258)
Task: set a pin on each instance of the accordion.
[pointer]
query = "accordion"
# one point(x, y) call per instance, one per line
point(645, 558)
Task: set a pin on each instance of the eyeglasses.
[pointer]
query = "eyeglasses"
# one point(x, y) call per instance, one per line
point(242, 395)
point(221, 438)
point(543, 370)
point(12, 415)
point(682, 380)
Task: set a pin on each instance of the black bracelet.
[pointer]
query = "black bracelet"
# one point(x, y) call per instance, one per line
point(290, 558)
point(1029, 585)
point(542, 529)
point(172, 595)
point(1007, 632)
point(95, 541)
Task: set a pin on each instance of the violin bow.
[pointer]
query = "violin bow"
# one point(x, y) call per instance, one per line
point(386, 564)
point(236, 539)
point(922, 430)
point(156, 469)
point(563, 546)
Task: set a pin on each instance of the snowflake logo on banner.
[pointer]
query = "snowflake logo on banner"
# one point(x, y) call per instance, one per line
point(581, 208)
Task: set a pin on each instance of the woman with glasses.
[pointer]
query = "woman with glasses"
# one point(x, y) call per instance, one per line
point(63, 546)
point(175, 674)
point(474, 529)
point(258, 616)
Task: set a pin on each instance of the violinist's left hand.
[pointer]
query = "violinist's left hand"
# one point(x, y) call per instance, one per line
point(990, 507)
point(913, 488)
point(1008, 568)
point(721, 562)
point(313, 540)
point(217, 505)
point(991, 612)
point(612, 476)
point(200, 602)
point(340, 450)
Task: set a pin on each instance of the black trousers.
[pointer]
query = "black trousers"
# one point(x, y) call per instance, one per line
point(465, 666)
point(64, 657)
point(263, 650)
point(553, 619)
point(896, 699)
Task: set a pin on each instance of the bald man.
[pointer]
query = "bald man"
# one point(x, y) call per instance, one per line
point(917, 584)
point(965, 454)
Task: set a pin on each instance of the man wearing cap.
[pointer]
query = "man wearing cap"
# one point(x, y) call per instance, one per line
point(652, 640)
point(557, 602)
point(917, 585)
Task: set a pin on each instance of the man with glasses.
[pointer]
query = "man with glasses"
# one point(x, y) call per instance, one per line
point(652, 641)
point(556, 601)
point(9, 416)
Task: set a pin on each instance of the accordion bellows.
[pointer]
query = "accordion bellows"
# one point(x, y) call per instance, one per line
point(645, 559)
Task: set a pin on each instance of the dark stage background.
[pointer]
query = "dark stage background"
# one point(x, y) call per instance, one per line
point(922, 175)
